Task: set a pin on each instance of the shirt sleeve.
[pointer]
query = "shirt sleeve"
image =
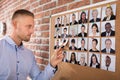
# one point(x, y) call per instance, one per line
point(37, 74)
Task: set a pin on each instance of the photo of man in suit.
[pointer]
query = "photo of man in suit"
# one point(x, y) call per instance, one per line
point(64, 35)
point(58, 24)
point(57, 45)
point(108, 49)
point(74, 22)
point(65, 56)
point(82, 33)
point(73, 47)
point(57, 34)
point(109, 31)
point(82, 48)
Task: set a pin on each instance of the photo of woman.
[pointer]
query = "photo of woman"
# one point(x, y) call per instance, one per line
point(83, 17)
point(94, 61)
point(94, 29)
point(95, 15)
point(94, 45)
point(73, 58)
point(110, 12)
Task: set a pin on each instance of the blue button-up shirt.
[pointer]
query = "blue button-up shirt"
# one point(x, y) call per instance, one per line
point(16, 63)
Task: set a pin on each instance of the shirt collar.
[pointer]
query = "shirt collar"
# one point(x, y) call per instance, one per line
point(11, 42)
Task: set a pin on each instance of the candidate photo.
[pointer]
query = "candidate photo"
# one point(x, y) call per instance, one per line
point(108, 45)
point(94, 60)
point(83, 17)
point(65, 20)
point(73, 31)
point(95, 15)
point(82, 30)
point(65, 56)
point(64, 32)
point(82, 44)
point(74, 18)
point(108, 29)
point(73, 58)
point(109, 12)
point(108, 62)
point(58, 22)
point(73, 44)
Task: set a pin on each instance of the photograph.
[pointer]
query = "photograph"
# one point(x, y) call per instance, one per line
point(95, 15)
point(82, 58)
point(108, 45)
point(65, 20)
point(82, 44)
point(65, 56)
point(74, 18)
point(94, 29)
point(109, 12)
point(64, 32)
point(73, 31)
point(57, 33)
point(108, 62)
point(58, 22)
point(73, 44)
point(94, 60)
point(108, 29)
point(94, 44)
point(82, 30)
point(57, 44)
point(83, 17)
point(73, 57)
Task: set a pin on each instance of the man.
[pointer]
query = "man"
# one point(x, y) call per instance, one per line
point(108, 48)
point(109, 31)
point(107, 62)
point(64, 35)
point(57, 45)
point(65, 56)
point(17, 62)
point(58, 23)
point(57, 34)
point(74, 22)
point(82, 48)
point(73, 47)
point(82, 33)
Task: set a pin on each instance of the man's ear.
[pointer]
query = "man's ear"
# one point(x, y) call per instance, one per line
point(14, 24)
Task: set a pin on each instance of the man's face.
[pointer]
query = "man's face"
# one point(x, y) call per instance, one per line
point(58, 20)
point(108, 44)
point(82, 29)
point(108, 61)
point(24, 27)
point(73, 44)
point(94, 44)
point(95, 14)
point(108, 28)
point(65, 31)
point(82, 43)
point(73, 18)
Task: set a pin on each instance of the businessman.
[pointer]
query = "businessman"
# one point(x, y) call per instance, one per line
point(17, 62)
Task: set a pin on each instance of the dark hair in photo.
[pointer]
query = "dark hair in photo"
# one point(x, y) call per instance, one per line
point(108, 23)
point(65, 29)
point(83, 25)
point(83, 12)
point(82, 40)
point(73, 41)
point(74, 57)
point(95, 26)
point(95, 41)
point(22, 12)
point(93, 55)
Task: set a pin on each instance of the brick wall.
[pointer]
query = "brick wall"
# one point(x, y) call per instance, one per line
point(42, 9)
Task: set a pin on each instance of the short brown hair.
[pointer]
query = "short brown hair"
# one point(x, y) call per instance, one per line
point(22, 12)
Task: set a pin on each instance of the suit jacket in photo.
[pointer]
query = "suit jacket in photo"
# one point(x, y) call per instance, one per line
point(80, 49)
point(94, 51)
point(111, 51)
point(80, 34)
point(113, 17)
point(57, 25)
point(80, 21)
point(62, 35)
point(70, 48)
point(103, 34)
point(56, 47)
point(80, 64)
point(75, 22)
point(97, 20)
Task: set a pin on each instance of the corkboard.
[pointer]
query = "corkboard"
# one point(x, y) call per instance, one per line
point(68, 71)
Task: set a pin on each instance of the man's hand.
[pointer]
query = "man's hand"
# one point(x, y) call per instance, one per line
point(56, 58)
